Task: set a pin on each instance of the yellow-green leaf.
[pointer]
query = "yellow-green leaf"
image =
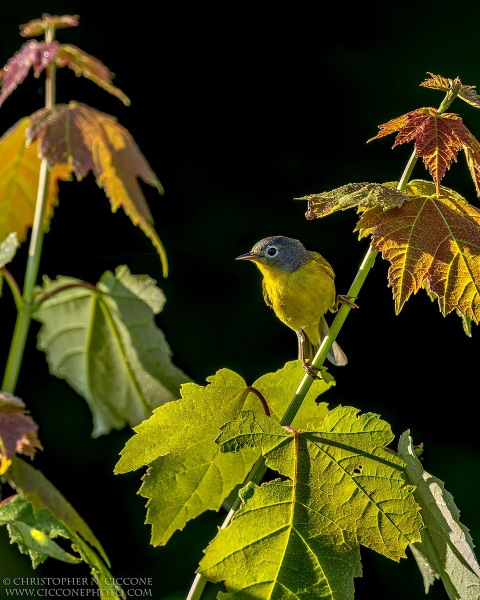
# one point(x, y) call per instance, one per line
point(187, 474)
point(446, 548)
point(344, 489)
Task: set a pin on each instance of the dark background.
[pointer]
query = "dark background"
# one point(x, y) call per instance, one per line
point(239, 109)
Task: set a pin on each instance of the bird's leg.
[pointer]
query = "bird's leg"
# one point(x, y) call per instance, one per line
point(309, 368)
point(341, 299)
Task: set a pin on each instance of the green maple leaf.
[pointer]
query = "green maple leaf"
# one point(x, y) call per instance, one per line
point(187, 474)
point(262, 554)
point(36, 489)
point(104, 342)
point(446, 549)
point(34, 532)
point(38, 514)
point(344, 488)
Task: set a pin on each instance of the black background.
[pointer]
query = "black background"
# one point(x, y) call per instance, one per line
point(239, 109)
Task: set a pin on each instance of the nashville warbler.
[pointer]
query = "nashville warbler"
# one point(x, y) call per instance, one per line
point(299, 285)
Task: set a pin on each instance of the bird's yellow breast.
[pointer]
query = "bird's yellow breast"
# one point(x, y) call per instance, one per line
point(300, 298)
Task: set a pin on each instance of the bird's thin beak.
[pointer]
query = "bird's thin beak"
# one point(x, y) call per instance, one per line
point(247, 256)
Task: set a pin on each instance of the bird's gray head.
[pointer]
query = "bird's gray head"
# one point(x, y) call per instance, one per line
point(278, 251)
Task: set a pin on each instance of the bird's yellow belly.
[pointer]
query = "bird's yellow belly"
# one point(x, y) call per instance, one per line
point(301, 298)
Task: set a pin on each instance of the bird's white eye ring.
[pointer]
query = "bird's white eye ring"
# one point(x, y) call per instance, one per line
point(272, 251)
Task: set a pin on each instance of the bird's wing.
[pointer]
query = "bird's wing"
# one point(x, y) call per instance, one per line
point(318, 258)
point(265, 294)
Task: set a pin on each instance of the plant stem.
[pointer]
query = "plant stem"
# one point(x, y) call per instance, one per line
point(327, 341)
point(16, 293)
point(24, 315)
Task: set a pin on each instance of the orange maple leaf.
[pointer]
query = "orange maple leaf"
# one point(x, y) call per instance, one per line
point(438, 137)
point(91, 141)
point(432, 241)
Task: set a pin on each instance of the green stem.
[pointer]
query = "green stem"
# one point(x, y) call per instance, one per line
point(13, 285)
point(24, 316)
point(327, 341)
point(402, 184)
point(25, 306)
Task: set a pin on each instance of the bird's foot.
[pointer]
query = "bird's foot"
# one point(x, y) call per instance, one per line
point(342, 299)
point(311, 370)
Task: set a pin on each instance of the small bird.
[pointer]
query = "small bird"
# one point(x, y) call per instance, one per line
point(299, 285)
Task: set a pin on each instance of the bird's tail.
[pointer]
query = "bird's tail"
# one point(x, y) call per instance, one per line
point(336, 355)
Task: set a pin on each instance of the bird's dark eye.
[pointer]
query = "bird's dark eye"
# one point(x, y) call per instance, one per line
point(272, 251)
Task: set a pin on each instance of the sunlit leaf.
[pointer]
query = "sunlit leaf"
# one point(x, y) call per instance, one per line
point(445, 84)
point(432, 241)
point(104, 342)
point(438, 137)
point(446, 549)
point(273, 549)
point(91, 141)
point(353, 195)
point(187, 473)
point(344, 489)
point(18, 431)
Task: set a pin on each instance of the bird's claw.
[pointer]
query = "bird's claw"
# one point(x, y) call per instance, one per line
point(343, 299)
point(311, 370)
